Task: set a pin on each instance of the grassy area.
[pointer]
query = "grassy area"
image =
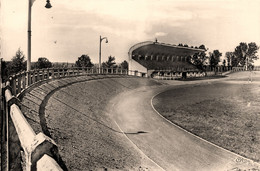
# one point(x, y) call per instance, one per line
point(225, 114)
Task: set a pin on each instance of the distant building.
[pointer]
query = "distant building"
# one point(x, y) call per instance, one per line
point(152, 58)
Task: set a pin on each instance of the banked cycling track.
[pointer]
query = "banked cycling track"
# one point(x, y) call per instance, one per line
point(166, 144)
point(161, 144)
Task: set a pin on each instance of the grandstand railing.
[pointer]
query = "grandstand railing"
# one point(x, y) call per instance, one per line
point(37, 148)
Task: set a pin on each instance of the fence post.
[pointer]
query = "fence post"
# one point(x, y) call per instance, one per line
point(7, 110)
point(58, 72)
point(41, 74)
point(24, 80)
point(13, 84)
point(52, 73)
point(84, 70)
point(19, 83)
point(44, 72)
point(37, 75)
point(63, 72)
point(33, 77)
point(68, 72)
point(29, 78)
point(3, 127)
point(48, 74)
point(73, 71)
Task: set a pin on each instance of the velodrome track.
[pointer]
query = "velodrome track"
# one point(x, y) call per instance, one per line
point(136, 130)
point(171, 147)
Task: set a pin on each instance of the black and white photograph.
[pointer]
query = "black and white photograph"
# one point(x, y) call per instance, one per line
point(130, 85)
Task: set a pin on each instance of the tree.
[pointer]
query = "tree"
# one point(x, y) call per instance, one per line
point(124, 65)
point(214, 58)
point(224, 62)
point(246, 53)
point(17, 63)
point(230, 59)
point(110, 62)
point(198, 59)
point(202, 47)
point(43, 63)
point(84, 61)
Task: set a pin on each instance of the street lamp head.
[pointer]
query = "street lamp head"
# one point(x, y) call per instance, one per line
point(48, 4)
point(106, 41)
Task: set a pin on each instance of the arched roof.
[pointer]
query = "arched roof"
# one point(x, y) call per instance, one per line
point(149, 48)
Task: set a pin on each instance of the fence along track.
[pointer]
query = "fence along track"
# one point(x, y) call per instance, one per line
point(37, 149)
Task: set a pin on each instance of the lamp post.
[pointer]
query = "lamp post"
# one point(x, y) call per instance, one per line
point(48, 5)
point(100, 40)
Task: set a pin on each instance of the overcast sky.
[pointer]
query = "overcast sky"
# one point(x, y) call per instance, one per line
point(72, 28)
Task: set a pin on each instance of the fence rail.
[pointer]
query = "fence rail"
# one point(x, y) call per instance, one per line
point(255, 68)
point(37, 148)
point(23, 80)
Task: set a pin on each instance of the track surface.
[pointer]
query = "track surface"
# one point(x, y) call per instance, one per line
point(165, 143)
point(95, 131)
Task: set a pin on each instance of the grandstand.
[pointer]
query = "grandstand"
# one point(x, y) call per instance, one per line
point(151, 59)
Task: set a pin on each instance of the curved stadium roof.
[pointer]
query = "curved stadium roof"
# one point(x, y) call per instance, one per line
point(154, 48)
point(160, 56)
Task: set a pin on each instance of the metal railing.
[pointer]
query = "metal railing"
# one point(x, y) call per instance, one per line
point(37, 148)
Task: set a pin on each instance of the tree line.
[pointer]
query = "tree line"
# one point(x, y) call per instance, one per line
point(243, 55)
point(85, 61)
point(18, 64)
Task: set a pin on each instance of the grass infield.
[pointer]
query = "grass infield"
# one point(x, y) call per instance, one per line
point(223, 113)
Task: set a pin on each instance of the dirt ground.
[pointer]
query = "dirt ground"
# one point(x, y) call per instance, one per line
point(224, 113)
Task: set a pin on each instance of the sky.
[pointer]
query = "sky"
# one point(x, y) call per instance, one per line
point(72, 28)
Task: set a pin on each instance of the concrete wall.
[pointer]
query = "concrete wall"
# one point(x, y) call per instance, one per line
point(135, 66)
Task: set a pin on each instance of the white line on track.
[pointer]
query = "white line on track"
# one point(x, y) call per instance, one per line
point(138, 147)
point(251, 161)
